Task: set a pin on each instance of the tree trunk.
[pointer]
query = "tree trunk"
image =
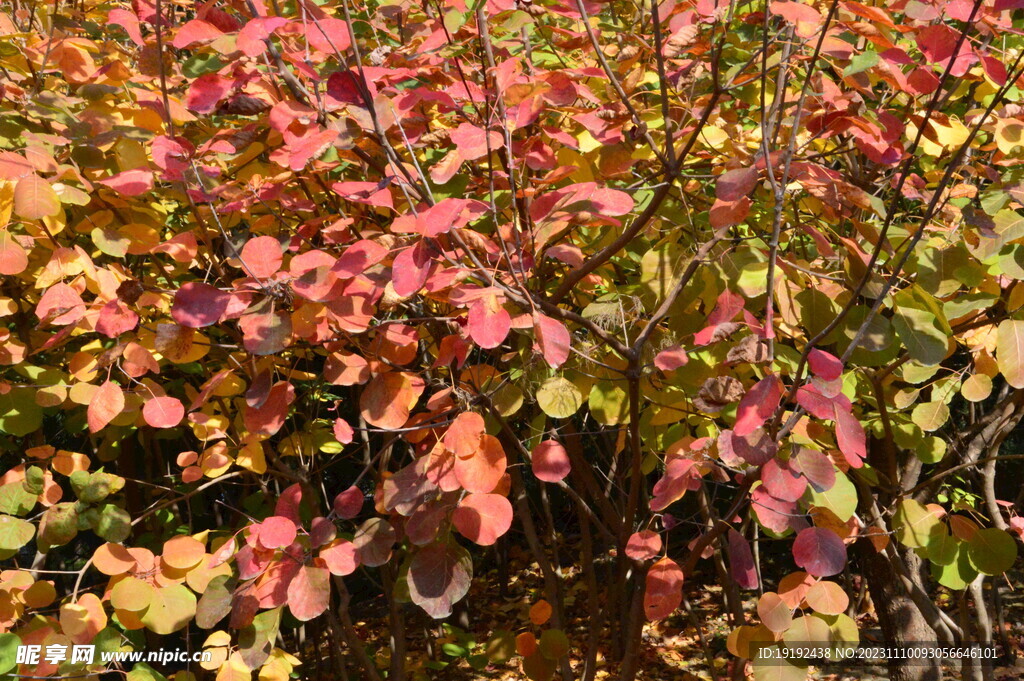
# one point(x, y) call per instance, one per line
point(898, 616)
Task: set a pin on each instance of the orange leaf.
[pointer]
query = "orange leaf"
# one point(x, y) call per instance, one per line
point(106, 404)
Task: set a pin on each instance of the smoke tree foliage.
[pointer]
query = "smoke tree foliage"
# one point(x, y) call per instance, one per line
point(306, 302)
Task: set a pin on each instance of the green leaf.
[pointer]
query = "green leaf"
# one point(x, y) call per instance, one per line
point(931, 449)
point(915, 525)
point(15, 499)
point(992, 551)
point(958, 574)
point(841, 498)
point(921, 334)
point(861, 62)
point(554, 644)
point(113, 524)
point(8, 652)
point(15, 532)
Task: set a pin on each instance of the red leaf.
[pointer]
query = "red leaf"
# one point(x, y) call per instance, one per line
point(728, 213)
point(664, 589)
point(727, 306)
point(825, 365)
point(741, 561)
point(197, 305)
point(349, 503)
point(781, 481)
point(106, 404)
point(269, 418)
point(643, 545)
point(129, 22)
point(758, 405)
point(489, 322)
point(850, 437)
point(163, 412)
point(287, 505)
point(735, 184)
point(671, 358)
point(343, 431)
point(262, 256)
point(115, 318)
point(472, 142)
point(482, 518)
point(673, 484)
point(276, 532)
point(552, 339)
point(550, 461)
point(206, 92)
point(195, 31)
point(358, 257)
point(439, 576)
point(309, 592)
point(341, 558)
point(820, 552)
point(482, 471)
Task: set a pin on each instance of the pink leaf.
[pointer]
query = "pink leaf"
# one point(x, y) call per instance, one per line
point(411, 269)
point(129, 22)
point(735, 184)
point(850, 437)
point(489, 322)
point(197, 305)
point(781, 481)
point(115, 318)
point(643, 545)
point(552, 339)
point(343, 431)
point(550, 461)
point(819, 551)
point(349, 503)
point(439, 576)
point(262, 256)
point(358, 257)
point(482, 518)
point(671, 358)
point(309, 592)
point(758, 405)
point(163, 412)
point(741, 561)
point(276, 532)
point(341, 559)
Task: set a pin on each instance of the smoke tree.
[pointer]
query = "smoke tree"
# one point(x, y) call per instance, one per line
point(303, 299)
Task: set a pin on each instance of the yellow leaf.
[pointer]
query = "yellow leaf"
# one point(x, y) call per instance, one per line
point(1009, 134)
